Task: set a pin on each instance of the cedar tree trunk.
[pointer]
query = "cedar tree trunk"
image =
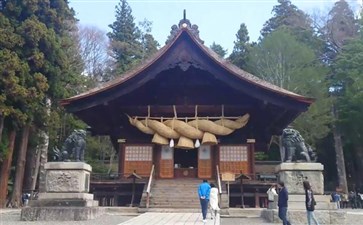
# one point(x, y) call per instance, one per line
point(339, 153)
point(43, 149)
point(15, 201)
point(5, 169)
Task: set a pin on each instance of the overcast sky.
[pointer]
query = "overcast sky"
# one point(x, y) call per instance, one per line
point(218, 20)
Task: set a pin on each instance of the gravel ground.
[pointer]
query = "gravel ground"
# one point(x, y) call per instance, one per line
point(13, 218)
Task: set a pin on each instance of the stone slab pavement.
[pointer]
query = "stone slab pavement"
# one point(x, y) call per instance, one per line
point(12, 217)
point(151, 218)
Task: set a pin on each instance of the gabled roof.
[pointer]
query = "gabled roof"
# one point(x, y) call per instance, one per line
point(187, 33)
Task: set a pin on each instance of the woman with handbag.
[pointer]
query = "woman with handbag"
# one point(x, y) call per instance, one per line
point(309, 203)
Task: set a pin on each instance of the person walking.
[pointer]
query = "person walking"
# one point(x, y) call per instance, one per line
point(337, 199)
point(213, 201)
point(360, 198)
point(204, 192)
point(309, 203)
point(271, 194)
point(282, 203)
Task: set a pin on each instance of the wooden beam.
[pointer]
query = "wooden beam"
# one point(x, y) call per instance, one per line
point(167, 110)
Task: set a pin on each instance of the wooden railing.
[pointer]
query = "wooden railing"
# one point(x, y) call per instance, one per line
point(148, 189)
point(219, 181)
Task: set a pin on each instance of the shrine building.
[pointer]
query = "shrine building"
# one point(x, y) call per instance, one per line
point(187, 114)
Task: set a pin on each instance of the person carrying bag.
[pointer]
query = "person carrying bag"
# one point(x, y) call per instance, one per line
point(309, 203)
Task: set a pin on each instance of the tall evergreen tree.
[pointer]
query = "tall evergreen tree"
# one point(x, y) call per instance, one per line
point(286, 62)
point(124, 37)
point(241, 48)
point(289, 15)
point(340, 28)
point(217, 48)
point(148, 42)
point(51, 69)
point(349, 104)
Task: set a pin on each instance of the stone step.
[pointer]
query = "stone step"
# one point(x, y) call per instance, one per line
point(174, 202)
point(171, 189)
point(163, 198)
point(319, 205)
point(123, 211)
point(174, 206)
point(174, 193)
point(170, 210)
point(248, 212)
point(318, 198)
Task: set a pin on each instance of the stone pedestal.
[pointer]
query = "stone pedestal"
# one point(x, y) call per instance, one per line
point(66, 196)
point(293, 175)
point(337, 217)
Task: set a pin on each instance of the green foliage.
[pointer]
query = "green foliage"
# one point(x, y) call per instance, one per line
point(124, 36)
point(217, 48)
point(349, 69)
point(284, 61)
point(241, 47)
point(36, 59)
point(148, 43)
point(39, 60)
point(261, 156)
point(288, 15)
point(98, 151)
point(4, 143)
point(98, 166)
point(340, 27)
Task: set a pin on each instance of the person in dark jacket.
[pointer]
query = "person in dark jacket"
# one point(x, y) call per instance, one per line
point(204, 192)
point(309, 203)
point(282, 203)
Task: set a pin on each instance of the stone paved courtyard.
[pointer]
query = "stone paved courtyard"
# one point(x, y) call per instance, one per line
point(12, 217)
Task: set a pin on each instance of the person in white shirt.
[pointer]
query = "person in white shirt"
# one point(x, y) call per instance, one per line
point(213, 201)
point(271, 194)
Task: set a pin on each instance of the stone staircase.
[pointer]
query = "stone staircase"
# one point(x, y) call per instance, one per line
point(174, 194)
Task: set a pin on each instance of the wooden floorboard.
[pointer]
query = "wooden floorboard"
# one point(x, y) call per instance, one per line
point(151, 218)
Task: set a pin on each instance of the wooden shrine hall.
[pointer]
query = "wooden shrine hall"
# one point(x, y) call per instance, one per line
point(188, 112)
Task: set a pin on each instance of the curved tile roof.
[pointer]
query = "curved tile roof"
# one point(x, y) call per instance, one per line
point(232, 69)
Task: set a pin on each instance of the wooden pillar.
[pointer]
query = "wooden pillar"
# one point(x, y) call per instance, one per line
point(251, 147)
point(257, 199)
point(121, 163)
point(242, 199)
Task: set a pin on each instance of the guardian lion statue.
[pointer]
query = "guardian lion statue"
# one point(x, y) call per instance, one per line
point(295, 148)
point(73, 147)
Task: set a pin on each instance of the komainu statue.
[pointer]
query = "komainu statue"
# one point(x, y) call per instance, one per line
point(295, 148)
point(73, 147)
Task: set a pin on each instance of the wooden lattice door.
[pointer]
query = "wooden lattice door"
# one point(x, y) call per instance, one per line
point(234, 159)
point(204, 162)
point(167, 162)
point(138, 158)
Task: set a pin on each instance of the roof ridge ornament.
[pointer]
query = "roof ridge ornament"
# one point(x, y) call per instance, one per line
point(184, 24)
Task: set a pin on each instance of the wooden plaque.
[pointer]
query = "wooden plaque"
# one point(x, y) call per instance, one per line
point(228, 176)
